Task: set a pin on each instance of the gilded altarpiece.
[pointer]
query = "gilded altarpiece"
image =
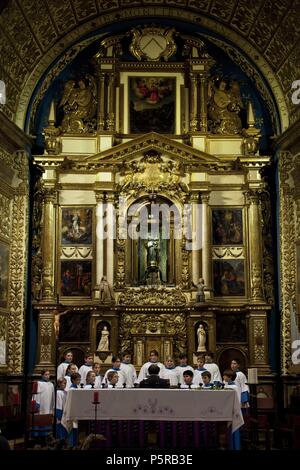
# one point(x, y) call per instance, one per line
point(144, 293)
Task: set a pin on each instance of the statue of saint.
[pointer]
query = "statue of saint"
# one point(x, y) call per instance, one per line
point(79, 102)
point(106, 293)
point(201, 334)
point(104, 340)
point(200, 297)
point(152, 252)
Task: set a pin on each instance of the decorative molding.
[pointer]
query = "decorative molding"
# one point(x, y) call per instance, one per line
point(5, 219)
point(234, 252)
point(17, 275)
point(76, 252)
point(152, 296)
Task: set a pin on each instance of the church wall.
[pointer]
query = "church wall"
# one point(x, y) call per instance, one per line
point(14, 226)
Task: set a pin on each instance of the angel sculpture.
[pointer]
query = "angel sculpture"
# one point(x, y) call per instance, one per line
point(224, 106)
point(79, 103)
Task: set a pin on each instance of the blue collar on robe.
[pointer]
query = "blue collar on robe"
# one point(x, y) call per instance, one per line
point(74, 386)
point(230, 382)
point(202, 369)
point(208, 385)
point(115, 368)
point(186, 365)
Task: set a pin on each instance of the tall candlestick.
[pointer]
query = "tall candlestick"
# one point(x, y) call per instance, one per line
point(51, 118)
point(250, 115)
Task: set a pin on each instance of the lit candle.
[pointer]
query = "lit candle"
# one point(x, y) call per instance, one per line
point(34, 387)
point(96, 397)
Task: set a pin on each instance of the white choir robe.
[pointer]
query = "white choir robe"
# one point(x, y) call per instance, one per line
point(62, 369)
point(241, 382)
point(172, 375)
point(45, 397)
point(198, 376)
point(98, 381)
point(83, 373)
point(61, 396)
point(88, 386)
point(180, 370)
point(235, 387)
point(69, 383)
point(187, 387)
point(121, 375)
point(214, 370)
point(144, 374)
point(130, 374)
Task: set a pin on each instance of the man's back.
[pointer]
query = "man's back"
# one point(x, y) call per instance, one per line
point(154, 381)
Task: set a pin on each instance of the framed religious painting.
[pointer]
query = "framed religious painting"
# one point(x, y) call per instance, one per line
point(76, 278)
point(227, 226)
point(229, 277)
point(4, 271)
point(76, 225)
point(152, 104)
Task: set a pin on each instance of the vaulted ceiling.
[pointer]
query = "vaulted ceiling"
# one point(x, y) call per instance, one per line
point(34, 33)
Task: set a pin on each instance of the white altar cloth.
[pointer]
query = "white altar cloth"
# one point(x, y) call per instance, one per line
point(154, 405)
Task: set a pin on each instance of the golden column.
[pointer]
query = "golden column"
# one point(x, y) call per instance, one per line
point(46, 357)
point(206, 243)
point(111, 102)
point(111, 235)
point(203, 103)
point(255, 246)
point(49, 236)
point(99, 236)
point(193, 102)
point(101, 101)
point(196, 231)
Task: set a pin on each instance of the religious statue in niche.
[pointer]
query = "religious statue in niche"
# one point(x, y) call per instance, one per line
point(200, 296)
point(104, 340)
point(106, 293)
point(201, 336)
point(79, 103)
point(224, 107)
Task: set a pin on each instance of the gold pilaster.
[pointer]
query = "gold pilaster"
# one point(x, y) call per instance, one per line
point(258, 341)
point(255, 246)
point(203, 104)
point(206, 243)
point(46, 341)
point(193, 102)
point(101, 102)
point(48, 279)
point(111, 102)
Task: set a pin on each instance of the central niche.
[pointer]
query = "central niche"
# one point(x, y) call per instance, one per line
point(153, 243)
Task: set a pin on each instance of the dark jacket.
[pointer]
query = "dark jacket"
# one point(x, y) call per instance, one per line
point(154, 381)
